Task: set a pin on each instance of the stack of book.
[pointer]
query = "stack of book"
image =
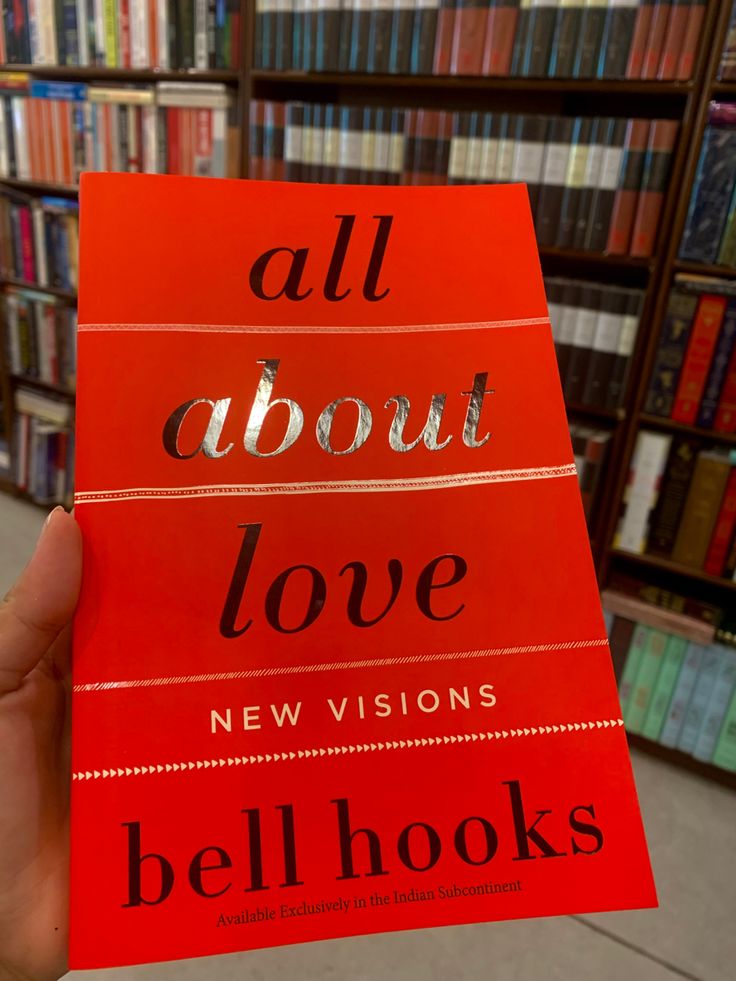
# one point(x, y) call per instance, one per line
point(41, 334)
point(44, 447)
point(694, 376)
point(39, 240)
point(594, 183)
point(602, 39)
point(122, 33)
point(594, 327)
point(727, 66)
point(677, 686)
point(710, 228)
point(680, 504)
point(590, 448)
point(52, 131)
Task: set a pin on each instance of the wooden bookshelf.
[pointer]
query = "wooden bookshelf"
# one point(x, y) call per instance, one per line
point(674, 568)
point(703, 269)
point(672, 426)
point(69, 295)
point(41, 187)
point(97, 73)
point(42, 386)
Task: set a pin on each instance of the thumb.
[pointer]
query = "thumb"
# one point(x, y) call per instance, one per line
point(42, 602)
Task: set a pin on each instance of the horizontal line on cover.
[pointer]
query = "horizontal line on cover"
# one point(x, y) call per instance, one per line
point(377, 746)
point(377, 662)
point(294, 329)
point(437, 482)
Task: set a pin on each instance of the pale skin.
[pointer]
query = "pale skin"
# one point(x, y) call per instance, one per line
point(35, 635)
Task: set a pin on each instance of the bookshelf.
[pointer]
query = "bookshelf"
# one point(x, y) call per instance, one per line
point(684, 101)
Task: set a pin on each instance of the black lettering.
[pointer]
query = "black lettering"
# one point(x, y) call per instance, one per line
point(290, 289)
point(425, 585)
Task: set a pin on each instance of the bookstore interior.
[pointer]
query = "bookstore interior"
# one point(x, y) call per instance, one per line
point(620, 116)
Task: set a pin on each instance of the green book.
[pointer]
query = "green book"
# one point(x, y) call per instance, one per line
point(725, 752)
point(646, 680)
point(727, 253)
point(669, 672)
point(639, 640)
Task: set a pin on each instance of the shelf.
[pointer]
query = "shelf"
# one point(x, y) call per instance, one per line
point(70, 73)
point(724, 88)
point(594, 412)
point(671, 425)
point(41, 187)
point(665, 565)
point(703, 269)
point(683, 760)
point(600, 260)
point(47, 387)
point(358, 80)
point(69, 295)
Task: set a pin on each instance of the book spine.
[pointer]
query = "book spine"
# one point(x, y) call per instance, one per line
point(443, 38)
point(583, 133)
point(402, 29)
point(604, 195)
point(725, 751)
point(676, 482)
point(715, 710)
point(601, 134)
point(670, 355)
point(686, 61)
point(725, 418)
point(627, 192)
point(379, 39)
point(723, 533)
point(718, 369)
point(605, 346)
point(639, 38)
point(471, 23)
point(642, 490)
point(711, 195)
point(655, 39)
point(681, 695)
point(554, 170)
point(619, 33)
point(568, 21)
point(701, 510)
point(669, 672)
point(528, 150)
point(706, 326)
point(620, 638)
point(674, 39)
point(615, 396)
point(540, 38)
point(646, 679)
point(591, 36)
point(571, 294)
point(503, 20)
point(639, 644)
point(662, 135)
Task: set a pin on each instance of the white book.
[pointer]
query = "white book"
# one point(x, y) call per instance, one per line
point(162, 34)
point(150, 139)
point(20, 133)
point(82, 33)
point(647, 467)
point(39, 243)
point(139, 43)
point(200, 34)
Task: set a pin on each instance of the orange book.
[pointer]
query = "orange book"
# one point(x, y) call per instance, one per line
point(700, 349)
point(328, 675)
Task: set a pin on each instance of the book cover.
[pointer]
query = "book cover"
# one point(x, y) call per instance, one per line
point(627, 189)
point(662, 135)
point(716, 559)
point(681, 695)
point(564, 42)
point(669, 672)
point(266, 634)
point(639, 642)
point(725, 418)
point(702, 691)
point(725, 751)
point(619, 641)
point(698, 358)
point(642, 490)
point(646, 679)
point(690, 40)
point(674, 39)
point(617, 384)
point(718, 371)
point(670, 354)
point(715, 711)
point(701, 508)
point(619, 32)
point(675, 486)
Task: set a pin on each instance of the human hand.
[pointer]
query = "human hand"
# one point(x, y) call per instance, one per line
point(35, 640)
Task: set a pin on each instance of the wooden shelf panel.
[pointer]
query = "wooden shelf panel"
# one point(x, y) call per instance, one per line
point(102, 74)
point(47, 388)
point(683, 760)
point(593, 412)
point(703, 269)
point(724, 88)
point(686, 571)
point(69, 295)
point(474, 83)
point(671, 425)
point(41, 187)
point(601, 259)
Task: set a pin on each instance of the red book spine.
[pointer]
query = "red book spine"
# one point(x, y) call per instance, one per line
point(627, 192)
point(125, 33)
point(708, 319)
point(723, 532)
point(467, 42)
point(172, 140)
point(26, 235)
point(499, 42)
point(686, 60)
point(655, 39)
point(639, 39)
point(662, 135)
point(443, 38)
point(673, 40)
point(152, 35)
point(725, 420)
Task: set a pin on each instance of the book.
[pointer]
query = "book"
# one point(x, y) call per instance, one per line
point(261, 609)
point(702, 691)
point(698, 358)
point(690, 40)
point(663, 690)
point(681, 695)
point(662, 135)
point(627, 190)
point(670, 354)
point(678, 474)
point(619, 640)
point(727, 65)
point(725, 751)
point(642, 490)
point(715, 710)
point(701, 509)
point(617, 383)
point(639, 643)
point(646, 680)
point(644, 608)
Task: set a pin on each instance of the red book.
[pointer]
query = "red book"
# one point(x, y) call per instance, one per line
point(686, 61)
point(324, 654)
point(640, 38)
point(124, 34)
point(660, 147)
point(471, 22)
point(498, 48)
point(723, 532)
point(674, 39)
point(725, 419)
point(703, 337)
point(26, 241)
point(627, 192)
point(443, 38)
point(655, 38)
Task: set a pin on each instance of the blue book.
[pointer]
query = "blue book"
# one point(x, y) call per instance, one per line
point(681, 695)
point(717, 707)
point(718, 368)
point(700, 697)
point(670, 355)
point(714, 183)
point(71, 91)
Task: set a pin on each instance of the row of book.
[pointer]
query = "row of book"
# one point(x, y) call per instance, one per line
point(594, 327)
point(162, 34)
point(39, 240)
point(43, 438)
point(694, 376)
point(710, 227)
point(680, 503)
point(727, 66)
point(676, 685)
point(551, 38)
point(595, 183)
point(52, 131)
point(590, 449)
point(41, 337)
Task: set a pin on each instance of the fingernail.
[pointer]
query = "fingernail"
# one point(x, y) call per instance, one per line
point(49, 516)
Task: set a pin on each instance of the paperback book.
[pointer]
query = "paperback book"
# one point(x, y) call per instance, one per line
point(340, 665)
